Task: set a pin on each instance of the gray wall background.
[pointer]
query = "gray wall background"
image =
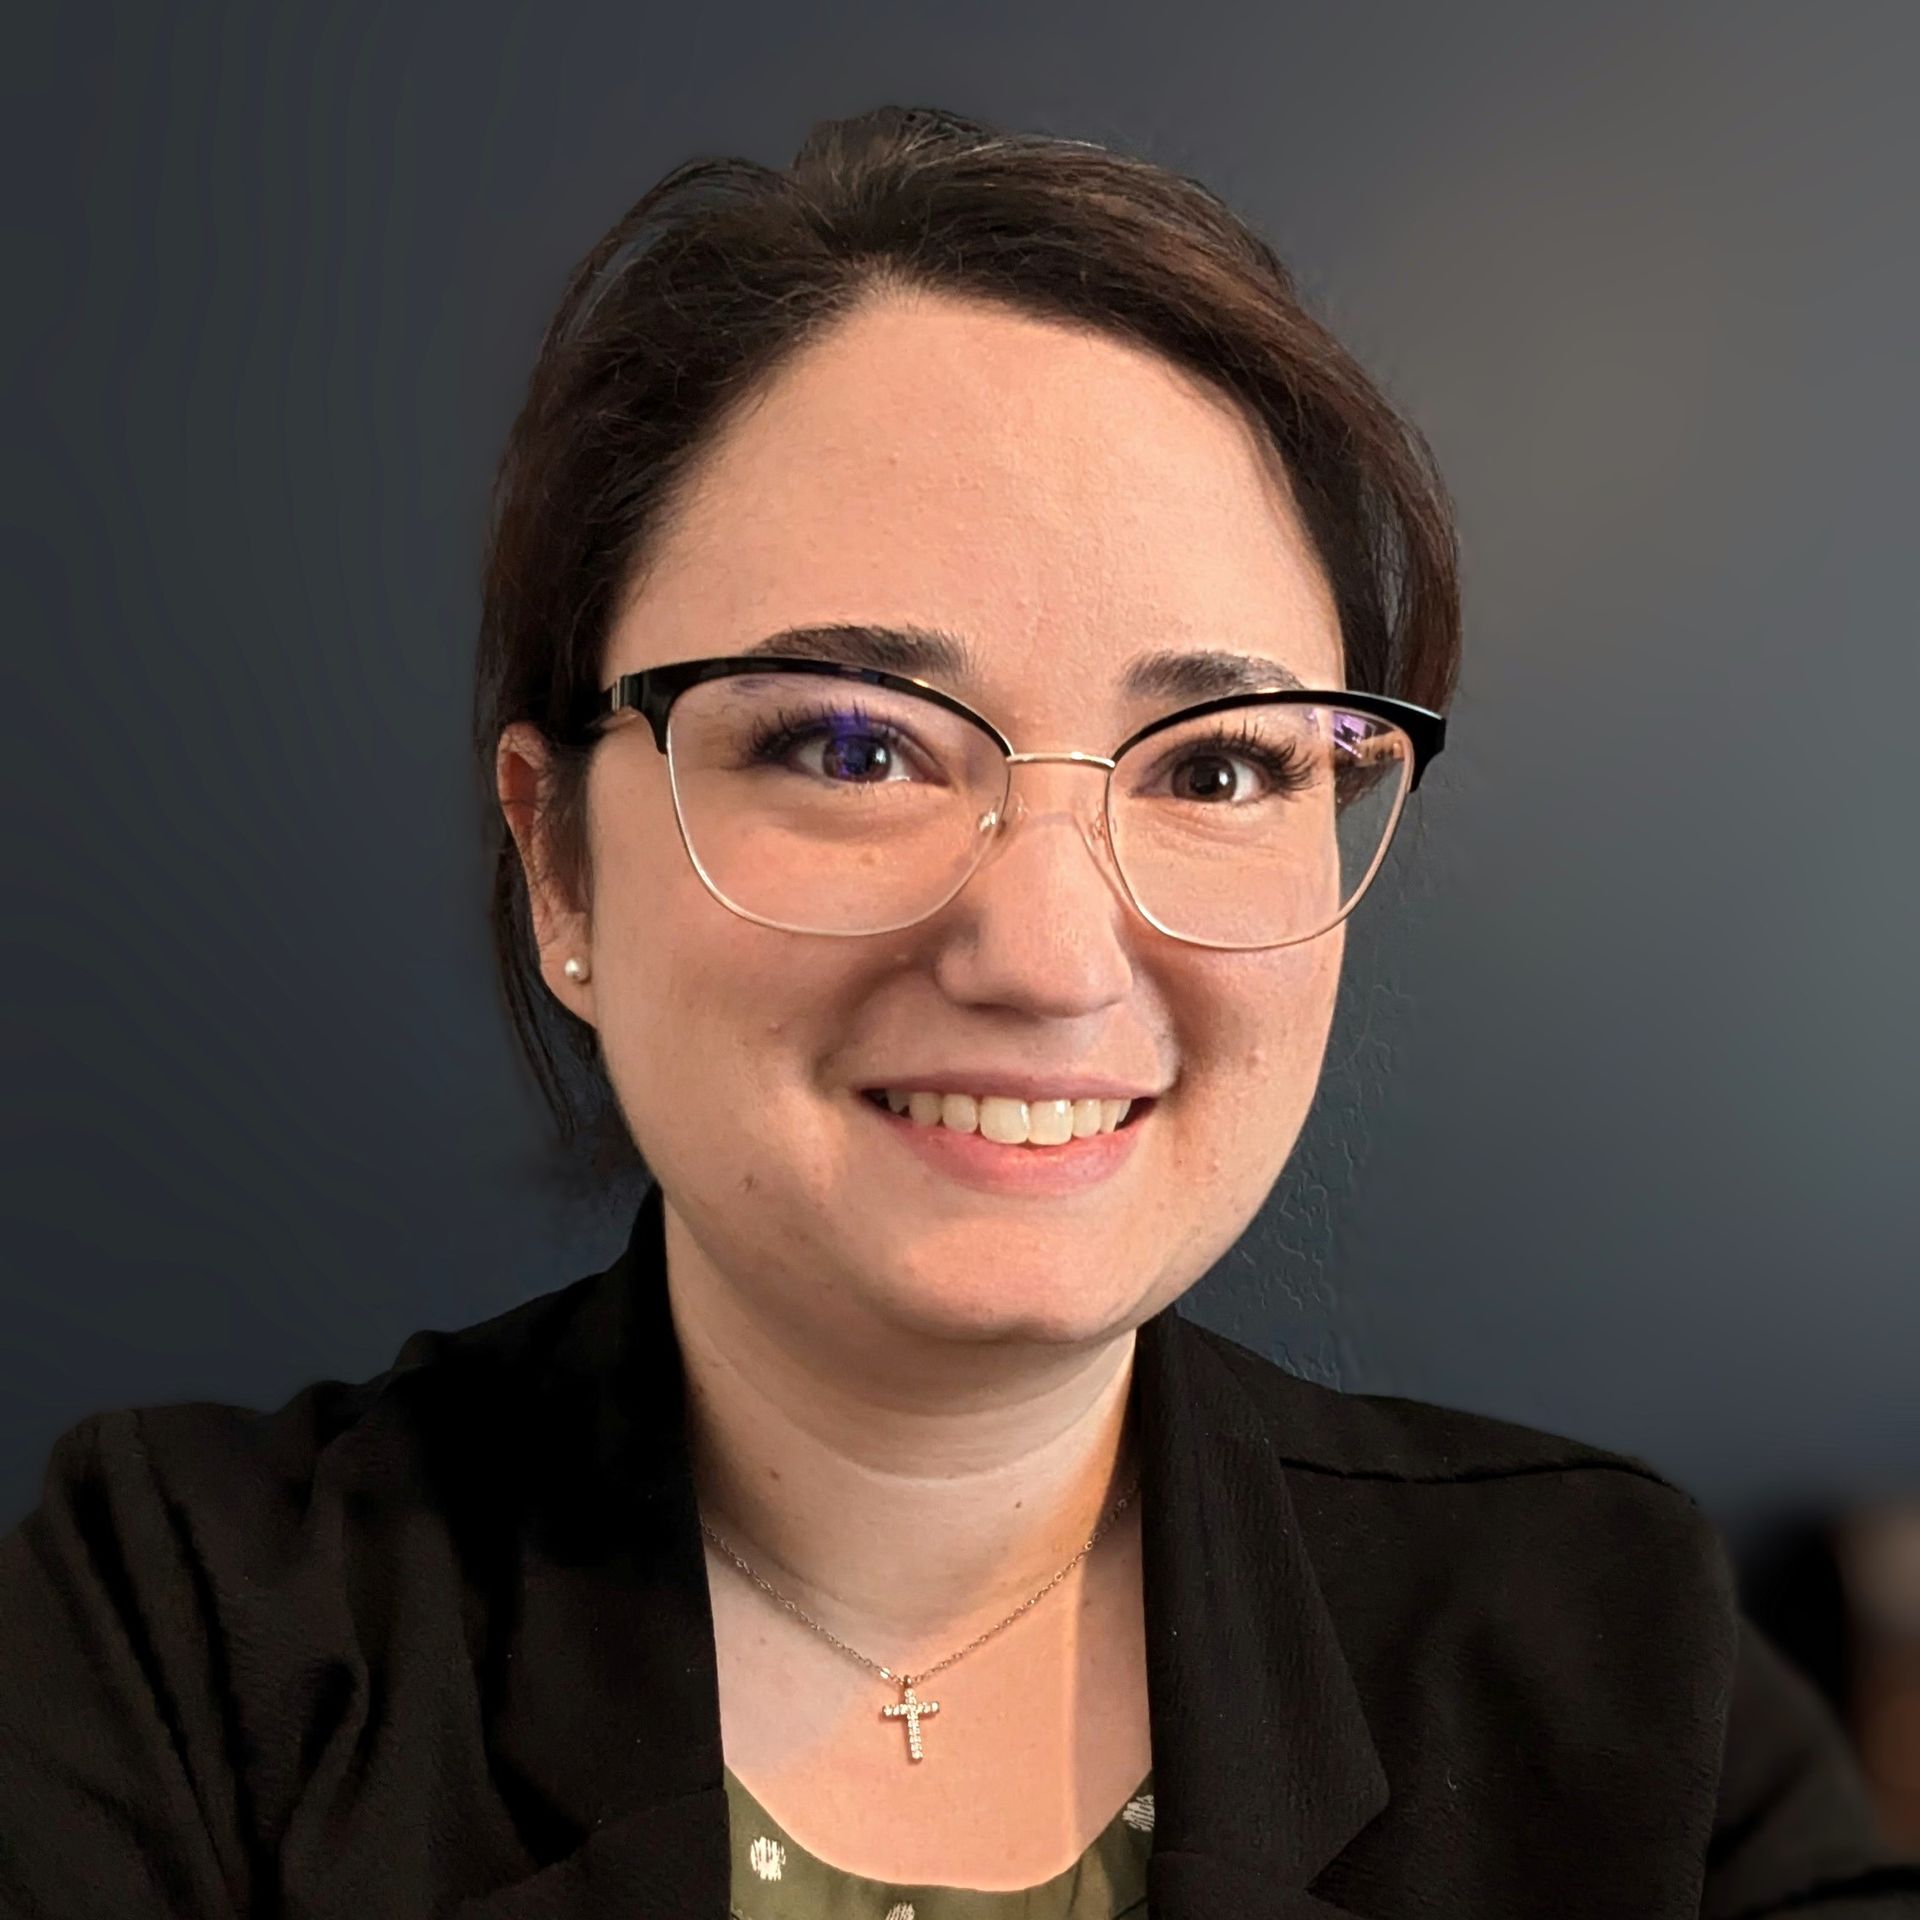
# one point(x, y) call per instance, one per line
point(1618, 1133)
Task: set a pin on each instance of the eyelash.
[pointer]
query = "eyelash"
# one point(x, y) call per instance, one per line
point(1287, 770)
point(776, 738)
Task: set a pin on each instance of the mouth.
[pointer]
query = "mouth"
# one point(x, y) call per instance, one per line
point(1137, 1110)
point(1003, 1158)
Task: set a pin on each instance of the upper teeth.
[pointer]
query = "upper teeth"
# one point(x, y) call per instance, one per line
point(1013, 1123)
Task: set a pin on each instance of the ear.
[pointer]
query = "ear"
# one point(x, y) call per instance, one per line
point(522, 775)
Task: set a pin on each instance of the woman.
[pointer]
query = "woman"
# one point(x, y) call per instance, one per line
point(958, 641)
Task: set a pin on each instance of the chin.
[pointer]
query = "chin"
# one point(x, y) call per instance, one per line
point(979, 1291)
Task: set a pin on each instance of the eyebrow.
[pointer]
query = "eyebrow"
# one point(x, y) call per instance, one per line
point(928, 653)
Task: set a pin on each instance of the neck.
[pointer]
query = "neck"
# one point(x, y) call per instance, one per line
point(897, 1521)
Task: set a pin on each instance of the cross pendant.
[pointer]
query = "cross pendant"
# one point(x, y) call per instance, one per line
point(910, 1708)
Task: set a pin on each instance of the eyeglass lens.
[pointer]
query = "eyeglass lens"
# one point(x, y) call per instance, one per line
point(825, 806)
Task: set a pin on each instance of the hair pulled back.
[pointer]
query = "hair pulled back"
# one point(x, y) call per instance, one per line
point(726, 268)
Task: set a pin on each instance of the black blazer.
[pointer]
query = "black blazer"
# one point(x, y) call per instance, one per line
point(439, 1643)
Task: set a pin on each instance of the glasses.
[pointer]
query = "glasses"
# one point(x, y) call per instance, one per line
point(820, 797)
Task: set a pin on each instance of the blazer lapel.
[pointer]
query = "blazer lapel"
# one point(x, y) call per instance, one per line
point(604, 1734)
point(1263, 1766)
point(601, 1690)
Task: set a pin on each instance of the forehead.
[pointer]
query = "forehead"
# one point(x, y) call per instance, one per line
point(1063, 500)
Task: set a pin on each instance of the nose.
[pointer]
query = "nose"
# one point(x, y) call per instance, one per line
point(1081, 801)
point(1047, 922)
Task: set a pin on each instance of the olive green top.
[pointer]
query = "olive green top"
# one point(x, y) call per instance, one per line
point(775, 1878)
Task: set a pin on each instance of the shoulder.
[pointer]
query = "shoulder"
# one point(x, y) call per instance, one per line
point(204, 1610)
point(1480, 1501)
point(195, 1564)
point(1492, 1583)
point(1487, 1575)
point(1385, 1436)
point(249, 1488)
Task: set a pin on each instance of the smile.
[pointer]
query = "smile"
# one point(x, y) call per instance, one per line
point(1024, 1169)
point(1005, 1120)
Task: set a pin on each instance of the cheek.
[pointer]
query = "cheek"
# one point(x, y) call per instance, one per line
point(1253, 1032)
point(701, 1019)
point(663, 957)
point(712, 1026)
point(1266, 1021)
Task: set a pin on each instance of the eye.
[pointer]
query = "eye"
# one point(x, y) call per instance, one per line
point(858, 749)
point(1202, 771)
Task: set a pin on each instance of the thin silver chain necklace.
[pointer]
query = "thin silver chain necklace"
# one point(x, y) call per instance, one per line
point(910, 1707)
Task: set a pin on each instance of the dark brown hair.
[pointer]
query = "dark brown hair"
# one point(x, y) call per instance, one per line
point(712, 281)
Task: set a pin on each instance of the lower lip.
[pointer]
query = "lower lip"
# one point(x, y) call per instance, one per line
point(975, 1161)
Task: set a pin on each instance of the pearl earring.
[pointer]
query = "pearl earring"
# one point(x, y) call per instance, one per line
point(575, 969)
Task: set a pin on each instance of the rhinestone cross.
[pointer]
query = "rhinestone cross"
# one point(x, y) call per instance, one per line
point(910, 1708)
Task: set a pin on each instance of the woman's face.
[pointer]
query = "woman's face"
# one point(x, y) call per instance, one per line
point(1061, 502)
